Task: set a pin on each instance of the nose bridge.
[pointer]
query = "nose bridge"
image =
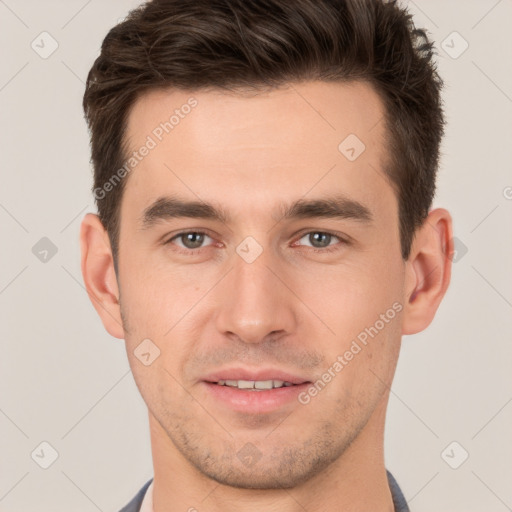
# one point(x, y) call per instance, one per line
point(255, 302)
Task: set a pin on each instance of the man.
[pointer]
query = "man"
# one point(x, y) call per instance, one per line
point(264, 173)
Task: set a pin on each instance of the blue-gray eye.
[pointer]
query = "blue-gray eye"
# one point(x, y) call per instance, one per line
point(319, 239)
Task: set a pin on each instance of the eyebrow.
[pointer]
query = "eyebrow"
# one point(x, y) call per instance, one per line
point(333, 207)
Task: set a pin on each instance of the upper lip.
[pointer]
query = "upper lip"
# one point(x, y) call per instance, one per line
point(260, 374)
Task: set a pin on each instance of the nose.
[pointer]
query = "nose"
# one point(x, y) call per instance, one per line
point(256, 304)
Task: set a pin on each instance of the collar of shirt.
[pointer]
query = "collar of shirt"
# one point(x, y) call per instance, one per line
point(147, 502)
point(398, 498)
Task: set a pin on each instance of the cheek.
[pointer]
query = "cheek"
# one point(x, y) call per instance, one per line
point(362, 305)
point(353, 297)
point(362, 360)
point(155, 296)
point(166, 307)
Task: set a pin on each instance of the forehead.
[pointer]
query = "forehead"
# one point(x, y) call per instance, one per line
point(250, 150)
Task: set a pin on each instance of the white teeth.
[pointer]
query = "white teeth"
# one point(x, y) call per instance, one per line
point(246, 384)
point(265, 384)
point(257, 385)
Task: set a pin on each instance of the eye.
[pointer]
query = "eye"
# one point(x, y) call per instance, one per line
point(189, 240)
point(321, 240)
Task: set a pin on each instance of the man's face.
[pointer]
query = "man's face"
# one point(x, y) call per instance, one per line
point(258, 296)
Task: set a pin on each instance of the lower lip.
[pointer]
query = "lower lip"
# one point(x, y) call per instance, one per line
point(255, 401)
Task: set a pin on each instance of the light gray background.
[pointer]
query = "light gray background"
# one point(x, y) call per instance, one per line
point(65, 381)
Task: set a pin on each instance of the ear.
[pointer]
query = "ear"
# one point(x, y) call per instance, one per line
point(428, 271)
point(99, 274)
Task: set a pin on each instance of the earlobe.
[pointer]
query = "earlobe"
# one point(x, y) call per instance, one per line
point(428, 271)
point(98, 274)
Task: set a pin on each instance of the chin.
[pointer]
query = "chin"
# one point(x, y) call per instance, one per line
point(261, 479)
point(283, 470)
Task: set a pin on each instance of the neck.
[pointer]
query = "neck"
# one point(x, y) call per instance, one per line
point(355, 482)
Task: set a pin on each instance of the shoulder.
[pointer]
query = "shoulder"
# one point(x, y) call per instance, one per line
point(398, 497)
point(136, 502)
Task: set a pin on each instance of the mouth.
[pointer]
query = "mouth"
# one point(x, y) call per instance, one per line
point(254, 392)
point(254, 385)
point(256, 380)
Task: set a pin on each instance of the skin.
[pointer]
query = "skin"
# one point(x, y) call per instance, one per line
point(292, 308)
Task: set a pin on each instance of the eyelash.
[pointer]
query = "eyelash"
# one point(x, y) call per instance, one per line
point(190, 252)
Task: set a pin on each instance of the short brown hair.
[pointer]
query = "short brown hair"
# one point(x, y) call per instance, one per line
point(261, 44)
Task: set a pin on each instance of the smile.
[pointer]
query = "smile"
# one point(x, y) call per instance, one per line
point(254, 385)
